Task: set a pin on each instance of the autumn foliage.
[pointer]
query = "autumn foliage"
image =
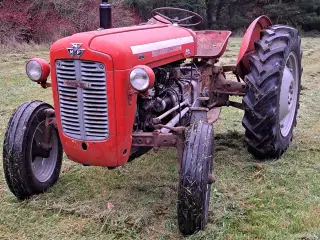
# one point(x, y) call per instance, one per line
point(49, 20)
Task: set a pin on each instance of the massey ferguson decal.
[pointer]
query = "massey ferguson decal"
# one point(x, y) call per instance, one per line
point(166, 50)
point(162, 47)
point(75, 51)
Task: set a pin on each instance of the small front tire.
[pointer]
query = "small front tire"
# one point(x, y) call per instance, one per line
point(28, 169)
point(195, 179)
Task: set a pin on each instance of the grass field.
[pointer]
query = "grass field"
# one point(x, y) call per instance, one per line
point(251, 200)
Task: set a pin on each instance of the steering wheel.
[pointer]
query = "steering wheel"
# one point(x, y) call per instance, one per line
point(157, 12)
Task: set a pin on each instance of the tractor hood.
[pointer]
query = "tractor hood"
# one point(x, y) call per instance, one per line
point(152, 45)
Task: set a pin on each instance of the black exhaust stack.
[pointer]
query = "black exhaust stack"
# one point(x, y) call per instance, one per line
point(105, 15)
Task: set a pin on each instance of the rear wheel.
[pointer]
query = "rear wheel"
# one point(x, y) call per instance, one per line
point(272, 99)
point(195, 179)
point(29, 169)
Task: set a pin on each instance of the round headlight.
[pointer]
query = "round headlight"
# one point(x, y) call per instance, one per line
point(34, 70)
point(139, 79)
point(38, 70)
point(142, 77)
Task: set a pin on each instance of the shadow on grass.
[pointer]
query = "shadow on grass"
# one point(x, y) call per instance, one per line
point(228, 141)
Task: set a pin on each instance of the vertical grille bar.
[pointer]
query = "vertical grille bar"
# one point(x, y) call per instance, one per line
point(83, 99)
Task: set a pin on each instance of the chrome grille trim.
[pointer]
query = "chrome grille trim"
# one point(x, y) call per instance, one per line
point(83, 110)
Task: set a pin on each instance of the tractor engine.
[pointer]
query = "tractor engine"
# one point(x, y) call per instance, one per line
point(175, 87)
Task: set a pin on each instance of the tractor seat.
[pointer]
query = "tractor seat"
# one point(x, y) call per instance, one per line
point(211, 43)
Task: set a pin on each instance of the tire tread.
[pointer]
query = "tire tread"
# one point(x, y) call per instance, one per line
point(260, 120)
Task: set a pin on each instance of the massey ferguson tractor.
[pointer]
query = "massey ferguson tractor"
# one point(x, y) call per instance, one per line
point(120, 92)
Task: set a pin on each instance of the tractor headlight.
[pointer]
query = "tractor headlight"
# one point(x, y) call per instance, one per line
point(38, 70)
point(142, 78)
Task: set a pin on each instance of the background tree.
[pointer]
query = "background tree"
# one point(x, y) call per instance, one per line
point(237, 14)
point(48, 20)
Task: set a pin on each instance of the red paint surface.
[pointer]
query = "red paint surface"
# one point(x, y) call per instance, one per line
point(113, 49)
point(118, 45)
point(103, 153)
point(247, 45)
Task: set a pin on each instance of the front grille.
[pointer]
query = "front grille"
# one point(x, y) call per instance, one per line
point(82, 88)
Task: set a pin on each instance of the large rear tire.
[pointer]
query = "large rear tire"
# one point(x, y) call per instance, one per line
point(29, 169)
point(195, 175)
point(272, 99)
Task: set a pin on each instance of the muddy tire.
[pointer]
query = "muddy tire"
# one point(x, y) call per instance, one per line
point(29, 170)
point(272, 99)
point(194, 184)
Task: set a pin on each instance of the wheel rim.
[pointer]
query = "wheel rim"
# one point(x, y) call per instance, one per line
point(43, 168)
point(289, 94)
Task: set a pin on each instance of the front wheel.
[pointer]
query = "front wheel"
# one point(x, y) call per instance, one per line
point(272, 99)
point(29, 169)
point(195, 179)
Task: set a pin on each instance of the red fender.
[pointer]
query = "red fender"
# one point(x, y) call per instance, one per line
point(247, 45)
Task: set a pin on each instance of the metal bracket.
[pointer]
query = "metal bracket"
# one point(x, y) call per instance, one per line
point(157, 139)
point(45, 85)
point(199, 113)
point(215, 86)
point(131, 93)
point(49, 123)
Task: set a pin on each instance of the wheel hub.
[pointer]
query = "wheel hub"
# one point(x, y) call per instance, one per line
point(289, 95)
point(43, 161)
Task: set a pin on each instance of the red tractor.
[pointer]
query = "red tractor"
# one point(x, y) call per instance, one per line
point(120, 92)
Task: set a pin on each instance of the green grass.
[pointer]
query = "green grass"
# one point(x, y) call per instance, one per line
point(251, 200)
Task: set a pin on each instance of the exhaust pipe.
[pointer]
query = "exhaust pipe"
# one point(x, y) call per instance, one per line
point(105, 15)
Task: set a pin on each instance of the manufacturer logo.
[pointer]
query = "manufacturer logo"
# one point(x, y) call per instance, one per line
point(167, 50)
point(77, 84)
point(75, 51)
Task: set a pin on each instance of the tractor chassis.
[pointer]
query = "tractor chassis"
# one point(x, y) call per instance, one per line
point(217, 88)
point(213, 82)
point(157, 139)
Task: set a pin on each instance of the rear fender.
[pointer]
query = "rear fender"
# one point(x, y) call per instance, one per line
point(247, 45)
point(211, 44)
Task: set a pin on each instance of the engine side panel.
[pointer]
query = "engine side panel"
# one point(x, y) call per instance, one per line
point(125, 114)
